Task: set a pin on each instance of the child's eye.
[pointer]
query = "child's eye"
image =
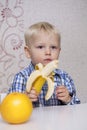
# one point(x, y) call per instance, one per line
point(54, 47)
point(40, 47)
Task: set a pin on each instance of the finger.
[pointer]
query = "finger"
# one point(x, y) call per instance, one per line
point(65, 99)
point(61, 94)
point(61, 98)
point(32, 92)
point(33, 99)
point(60, 90)
point(32, 95)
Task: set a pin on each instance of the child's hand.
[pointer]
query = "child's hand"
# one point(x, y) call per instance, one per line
point(62, 94)
point(32, 95)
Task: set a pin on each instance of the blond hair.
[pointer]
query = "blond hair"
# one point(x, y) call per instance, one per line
point(35, 28)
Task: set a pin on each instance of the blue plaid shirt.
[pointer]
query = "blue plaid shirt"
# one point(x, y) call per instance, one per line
point(60, 78)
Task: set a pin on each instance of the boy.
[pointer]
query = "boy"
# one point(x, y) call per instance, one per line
point(43, 46)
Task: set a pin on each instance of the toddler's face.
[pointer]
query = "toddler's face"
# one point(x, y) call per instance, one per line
point(44, 48)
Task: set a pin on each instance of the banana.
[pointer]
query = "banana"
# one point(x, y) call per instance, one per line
point(40, 76)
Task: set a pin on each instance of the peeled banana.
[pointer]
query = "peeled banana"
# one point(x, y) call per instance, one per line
point(42, 74)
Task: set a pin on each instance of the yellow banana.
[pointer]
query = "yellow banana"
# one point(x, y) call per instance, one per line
point(40, 76)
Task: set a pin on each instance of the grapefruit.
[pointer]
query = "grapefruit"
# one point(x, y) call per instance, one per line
point(16, 108)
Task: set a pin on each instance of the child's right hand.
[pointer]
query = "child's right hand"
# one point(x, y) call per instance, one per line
point(32, 95)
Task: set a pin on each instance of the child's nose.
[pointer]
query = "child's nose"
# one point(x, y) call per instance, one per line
point(47, 51)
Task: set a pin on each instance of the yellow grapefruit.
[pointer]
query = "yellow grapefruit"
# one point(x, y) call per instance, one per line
point(16, 108)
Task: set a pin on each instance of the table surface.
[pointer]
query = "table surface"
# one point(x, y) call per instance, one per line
point(68, 117)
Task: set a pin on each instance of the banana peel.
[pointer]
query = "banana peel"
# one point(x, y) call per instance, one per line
point(42, 74)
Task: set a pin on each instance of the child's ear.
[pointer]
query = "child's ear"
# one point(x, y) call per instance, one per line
point(27, 53)
point(60, 49)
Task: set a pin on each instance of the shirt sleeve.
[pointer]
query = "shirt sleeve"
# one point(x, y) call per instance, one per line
point(72, 90)
point(18, 84)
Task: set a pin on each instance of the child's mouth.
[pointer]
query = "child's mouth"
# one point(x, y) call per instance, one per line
point(48, 60)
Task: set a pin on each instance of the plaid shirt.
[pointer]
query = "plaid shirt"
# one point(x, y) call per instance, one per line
point(60, 78)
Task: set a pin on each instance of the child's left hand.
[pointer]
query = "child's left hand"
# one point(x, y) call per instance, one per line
point(62, 94)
